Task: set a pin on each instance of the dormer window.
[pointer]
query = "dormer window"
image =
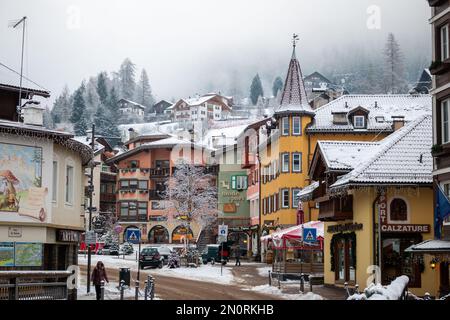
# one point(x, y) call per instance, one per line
point(340, 118)
point(359, 122)
point(379, 119)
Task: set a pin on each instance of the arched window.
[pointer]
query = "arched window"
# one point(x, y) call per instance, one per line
point(180, 232)
point(158, 234)
point(398, 210)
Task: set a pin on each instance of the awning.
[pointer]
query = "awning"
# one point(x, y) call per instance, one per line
point(430, 247)
point(295, 232)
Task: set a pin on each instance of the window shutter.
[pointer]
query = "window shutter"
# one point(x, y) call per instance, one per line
point(233, 182)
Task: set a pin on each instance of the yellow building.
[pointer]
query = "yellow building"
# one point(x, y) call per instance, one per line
point(295, 128)
point(376, 195)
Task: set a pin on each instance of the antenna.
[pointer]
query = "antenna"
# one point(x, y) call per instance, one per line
point(14, 25)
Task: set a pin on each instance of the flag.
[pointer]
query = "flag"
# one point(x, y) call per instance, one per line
point(300, 214)
point(441, 211)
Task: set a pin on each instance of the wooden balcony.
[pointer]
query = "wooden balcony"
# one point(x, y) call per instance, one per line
point(336, 209)
point(159, 172)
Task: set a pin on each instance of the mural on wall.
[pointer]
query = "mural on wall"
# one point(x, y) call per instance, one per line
point(21, 191)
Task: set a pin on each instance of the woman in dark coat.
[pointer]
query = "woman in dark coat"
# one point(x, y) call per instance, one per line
point(98, 275)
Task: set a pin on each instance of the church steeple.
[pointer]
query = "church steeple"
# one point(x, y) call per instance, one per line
point(293, 98)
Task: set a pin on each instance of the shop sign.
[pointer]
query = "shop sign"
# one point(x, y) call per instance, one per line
point(419, 228)
point(382, 207)
point(68, 236)
point(15, 232)
point(348, 227)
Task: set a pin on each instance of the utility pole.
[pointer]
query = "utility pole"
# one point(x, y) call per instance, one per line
point(21, 64)
point(90, 191)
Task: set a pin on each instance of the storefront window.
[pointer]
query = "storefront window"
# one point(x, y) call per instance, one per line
point(158, 234)
point(341, 260)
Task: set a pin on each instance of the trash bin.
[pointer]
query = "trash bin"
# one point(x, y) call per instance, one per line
point(124, 274)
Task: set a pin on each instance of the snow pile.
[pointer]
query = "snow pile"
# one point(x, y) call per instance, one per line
point(271, 290)
point(264, 271)
point(112, 292)
point(378, 292)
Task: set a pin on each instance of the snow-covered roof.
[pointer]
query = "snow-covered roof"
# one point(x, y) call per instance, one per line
point(403, 157)
point(345, 155)
point(430, 246)
point(86, 140)
point(293, 97)
point(133, 103)
point(385, 105)
point(306, 193)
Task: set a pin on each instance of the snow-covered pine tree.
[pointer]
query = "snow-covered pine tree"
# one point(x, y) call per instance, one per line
point(62, 107)
point(191, 194)
point(277, 86)
point(144, 92)
point(256, 90)
point(394, 73)
point(102, 88)
point(127, 74)
point(48, 120)
point(78, 117)
point(102, 121)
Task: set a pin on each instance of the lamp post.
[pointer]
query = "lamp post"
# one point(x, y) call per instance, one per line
point(90, 191)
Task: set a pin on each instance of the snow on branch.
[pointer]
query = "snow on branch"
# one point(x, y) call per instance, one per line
point(394, 291)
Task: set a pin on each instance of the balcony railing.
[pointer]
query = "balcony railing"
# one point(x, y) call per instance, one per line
point(142, 218)
point(336, 209)
point(159, 172)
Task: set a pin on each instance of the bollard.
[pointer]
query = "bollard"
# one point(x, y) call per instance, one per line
point(136, 294)
point(356, 288)
point(121, 287)
point(102, 290)
point(152, 288)
point(279, 283)
point(346, 289)
point(270, 279)
point(427, 296)
point(302, 284)
point(146, 290)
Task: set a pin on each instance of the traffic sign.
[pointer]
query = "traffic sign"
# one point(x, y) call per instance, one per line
point(223, 230)
point(90, 237)
point(133, 235)
point(309, 235)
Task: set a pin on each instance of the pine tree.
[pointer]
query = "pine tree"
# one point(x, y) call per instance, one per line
point(256, 90)
point(78, 117)
point(394, 77)
point(102, 121)
point(144, 91)
point(102, 89)
point(48, 119)
point(127, 81)
point(277, 86)
point(62, 107)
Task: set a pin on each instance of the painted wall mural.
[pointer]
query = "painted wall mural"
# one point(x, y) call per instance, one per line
point(21, 190)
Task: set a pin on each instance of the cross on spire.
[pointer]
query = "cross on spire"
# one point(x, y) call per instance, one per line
point(295, 38)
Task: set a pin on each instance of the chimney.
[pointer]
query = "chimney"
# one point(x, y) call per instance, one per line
point(398, 122)
point(33, 115)
point(132, 134)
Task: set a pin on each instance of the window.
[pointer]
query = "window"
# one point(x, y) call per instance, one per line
point(275, 202)
point(133, 184)
point(69, 184)
point(55, 181)
point(398, 210)
point(142, 208)
point(296, 126)
point(132, 209)
point(124, 209)
point(285, 164)
point(296, 162)
point(133, 164)
point(124, 184)
point(102, 188)
point(264, 206)
point(445, 105)
point(444, 43)
point(285, 126)
point(359, 122)
point(269, 204)
point(239, 182)
point(143, 184)
point(295, 199)
point(285, 198)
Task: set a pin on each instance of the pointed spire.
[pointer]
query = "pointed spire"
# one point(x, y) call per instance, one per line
point(294, 97)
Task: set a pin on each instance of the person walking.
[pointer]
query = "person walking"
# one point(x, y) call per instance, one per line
point(238, 255)
point(99, 275)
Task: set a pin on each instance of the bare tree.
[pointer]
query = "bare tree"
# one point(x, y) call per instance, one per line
point(394, 72)
point(192, 195)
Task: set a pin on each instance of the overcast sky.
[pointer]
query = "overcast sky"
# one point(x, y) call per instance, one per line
point(187, 44)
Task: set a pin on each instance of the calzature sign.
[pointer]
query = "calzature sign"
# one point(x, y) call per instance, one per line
point(422, 228)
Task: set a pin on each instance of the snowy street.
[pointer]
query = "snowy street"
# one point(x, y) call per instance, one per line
point(250, 281)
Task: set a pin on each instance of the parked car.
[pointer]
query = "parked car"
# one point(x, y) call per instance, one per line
point(127, 248)
point(151, 257)
point(217, 253)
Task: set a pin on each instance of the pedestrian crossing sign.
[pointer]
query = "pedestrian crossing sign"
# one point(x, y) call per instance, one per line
point(309, 234)
point(133, 235)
